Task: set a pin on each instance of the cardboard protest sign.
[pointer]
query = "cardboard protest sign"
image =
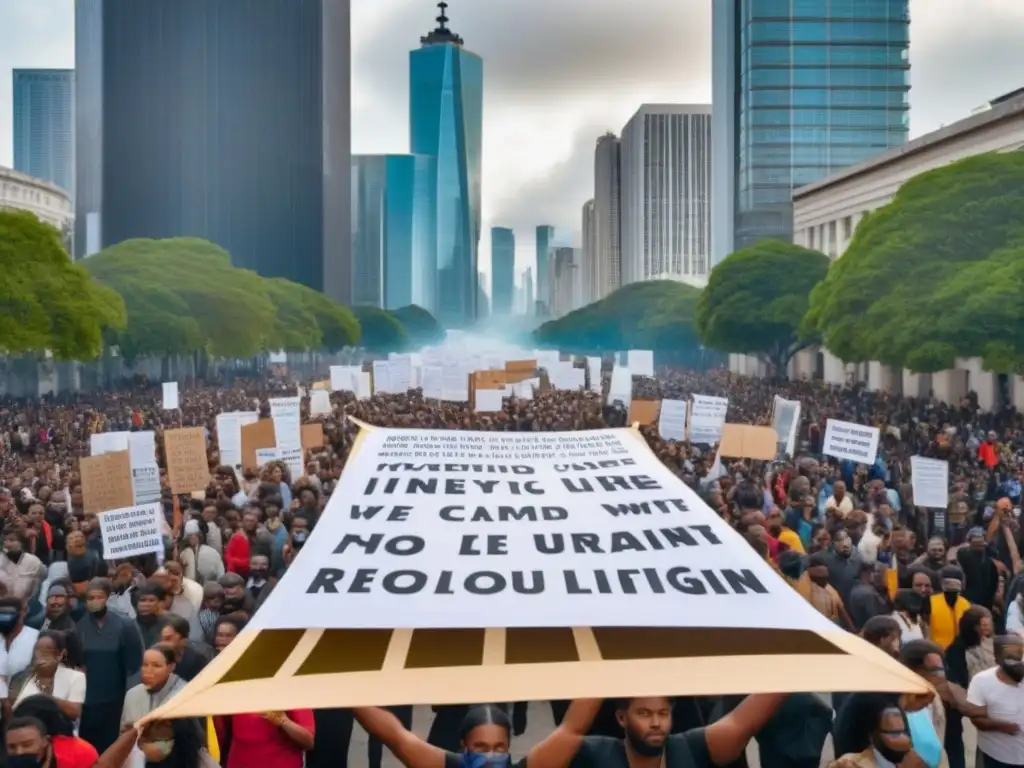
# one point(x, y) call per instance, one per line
point(644, 412)
point(188, 469)
point(259, 434)
point(106, 481)
point(558, 565)
point(745, 441)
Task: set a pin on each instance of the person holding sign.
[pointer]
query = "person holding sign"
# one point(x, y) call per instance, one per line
point(649, 741)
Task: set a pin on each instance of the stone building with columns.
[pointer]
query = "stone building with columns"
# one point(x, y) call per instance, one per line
point(826, 214)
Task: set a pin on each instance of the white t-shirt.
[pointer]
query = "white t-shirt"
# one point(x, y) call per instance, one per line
point(908, 631)
point(68, 685)
point(1005, 703)
point(20, 652)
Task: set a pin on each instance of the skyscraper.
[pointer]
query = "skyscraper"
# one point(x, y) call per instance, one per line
point(227, 121)
point(591, 278)
point(392, 231)
point(44, 125)
point(503, 270)
point(528, 291)
point(666, 193)
point(446, 121)
point(823, 86)
point(545, 241)
point(607, 203)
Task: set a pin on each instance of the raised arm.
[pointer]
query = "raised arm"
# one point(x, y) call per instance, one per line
point(407, 746)
point(558, 749)
point(727, 739)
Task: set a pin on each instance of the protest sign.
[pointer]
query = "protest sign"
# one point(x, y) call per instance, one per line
point(106, 481)
point(846, 440)
point(319, 403)
point(786, 422)
point(132, 531)
point(644, 412)
point(640, 362)
point(188, 469)
point(929, 479)
point(746, 441)
point(672, 419)
point(707, 415)
point(286, 415)
point(170, 395)
point(312, 436)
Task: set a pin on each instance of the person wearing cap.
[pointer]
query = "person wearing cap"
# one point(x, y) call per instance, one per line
point(947, 607)
point(58, 609)
point(201, 562)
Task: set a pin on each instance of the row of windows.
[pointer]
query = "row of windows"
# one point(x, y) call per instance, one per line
point(824, 31)
point(758, 157)
point(826, 55)
point(796, 176)
point(857, 77)
point(786, 136)
point(813, 97)
point(845, 118)
point(816, 9)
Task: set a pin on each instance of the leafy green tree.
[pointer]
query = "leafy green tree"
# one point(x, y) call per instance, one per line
point(756, 299)
point(656, 314)
point(336, 326)
point(936, 274)
point(380, 330)
point(232, 307)
point(48, 302)
point(421, 326)
point(296, 328)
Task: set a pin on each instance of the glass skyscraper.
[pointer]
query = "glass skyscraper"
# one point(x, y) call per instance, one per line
point(224, 120)
point(44, 125)
point(392, 231)
point(545, 242)
point(446, 122)
point(503, 270)
point(801, 89)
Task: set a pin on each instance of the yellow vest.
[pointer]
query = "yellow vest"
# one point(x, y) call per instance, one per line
point(945, 621)
point(792, 540)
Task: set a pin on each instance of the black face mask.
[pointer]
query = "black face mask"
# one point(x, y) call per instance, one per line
point(951, 596)
point(25, 761)
point(1013, 669)
point(8, 622)
point(885, 751)
point(641, 747)
point(299, 538)
point(14, 555)
point(258, 573)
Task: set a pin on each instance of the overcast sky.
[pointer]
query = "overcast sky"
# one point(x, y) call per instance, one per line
point(558, 73)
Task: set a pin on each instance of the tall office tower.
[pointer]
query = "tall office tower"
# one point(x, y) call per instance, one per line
point(44, 125)
point(224, 120)
point(607, 205)
point(446, 85)
point(823, 86)
point(528, 291)
point(564, 280)
point(483, 305)
point(392, 231)
point(545, 242)
point(503, 270)
point(666, 193)
point(591, 278)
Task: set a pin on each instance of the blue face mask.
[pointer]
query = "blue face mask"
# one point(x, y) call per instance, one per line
point(484, 759)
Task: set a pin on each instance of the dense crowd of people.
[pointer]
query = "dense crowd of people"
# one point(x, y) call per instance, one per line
point(92, 645)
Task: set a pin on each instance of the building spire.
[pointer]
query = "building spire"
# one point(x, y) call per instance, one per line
point(442, 34)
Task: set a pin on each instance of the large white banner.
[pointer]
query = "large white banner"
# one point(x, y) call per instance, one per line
point(707, 417)
point(846, 440)
point(786, 422)
point(443, 528)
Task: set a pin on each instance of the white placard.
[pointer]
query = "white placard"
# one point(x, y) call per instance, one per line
point(929, 479)
point(621, 386)
point(488, 400)
point(400, 374)
point(432, 381)
point(266, 455)
point(640, 362)
point(672, 420)
point(559, 529)
point(319, 403)
point(786, 422)
point(363, 385)
point(292, 457)
point(108, 442)
point(142, 448)
point(146, 484)
point(381, 377)
point(455, 387)
point(594, 373)
point(229, 435)
point(524, 389)
point(132, 531)
point(707, 417)
point(341, 377)
point(287, 415)
point(846, 440)
point(170, 398)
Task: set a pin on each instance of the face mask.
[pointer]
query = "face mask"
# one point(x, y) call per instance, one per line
point(14, 555)
point(8, 621)
point(951, 596)
point(258, 573)
point(1013, 669)
point(299, 538)
point(157, 751)
point(25, 761)
point(484, 759)
point(892, 755)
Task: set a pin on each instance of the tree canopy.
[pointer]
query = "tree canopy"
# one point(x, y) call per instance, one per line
point(48, 302)
point(756, 299)
point(381, 330)
point(184, 295)
point(936, 274)
point(657, 315)
point(421, 327)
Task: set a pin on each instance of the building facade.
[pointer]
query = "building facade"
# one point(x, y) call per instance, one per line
point(50, 203)
point(826, 215)
point(545, 242)
point(528, 308)
point(607, 202)
point(592, 285)
point(564, 279)
point(666, 193)
point(44, 125)
point(503, 270)
point(801, 90)
point(227, 121)
point(446, 122)
point(392, 231)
